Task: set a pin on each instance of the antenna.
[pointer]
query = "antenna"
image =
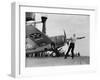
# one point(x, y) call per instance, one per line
point(64, 36)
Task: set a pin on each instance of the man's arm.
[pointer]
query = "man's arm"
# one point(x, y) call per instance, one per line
point(80, 37)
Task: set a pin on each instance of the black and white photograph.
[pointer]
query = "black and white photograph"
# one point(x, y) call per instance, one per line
point(54, 39)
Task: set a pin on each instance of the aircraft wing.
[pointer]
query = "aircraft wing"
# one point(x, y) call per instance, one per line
point(39, 49)
point(37, 36)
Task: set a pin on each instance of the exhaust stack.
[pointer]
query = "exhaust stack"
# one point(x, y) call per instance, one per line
point(43, 18)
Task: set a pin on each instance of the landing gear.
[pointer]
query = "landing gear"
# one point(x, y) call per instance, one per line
point(29, 55)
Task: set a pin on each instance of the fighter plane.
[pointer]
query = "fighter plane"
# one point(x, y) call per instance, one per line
point(37, 41)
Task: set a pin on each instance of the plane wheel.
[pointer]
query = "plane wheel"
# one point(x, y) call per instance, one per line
point(27, 55)
point(30, 55)
point(53, 54)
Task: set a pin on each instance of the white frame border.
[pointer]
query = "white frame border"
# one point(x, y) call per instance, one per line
point(18, 70)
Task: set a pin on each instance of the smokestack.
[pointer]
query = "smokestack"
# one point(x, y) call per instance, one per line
point(43, 18)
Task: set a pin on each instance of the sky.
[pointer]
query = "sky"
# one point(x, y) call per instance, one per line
point(71, 23)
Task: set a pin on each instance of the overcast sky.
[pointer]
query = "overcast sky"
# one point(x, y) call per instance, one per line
point(78, 24)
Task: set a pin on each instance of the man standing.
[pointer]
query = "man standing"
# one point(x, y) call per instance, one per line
point(72, 45)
